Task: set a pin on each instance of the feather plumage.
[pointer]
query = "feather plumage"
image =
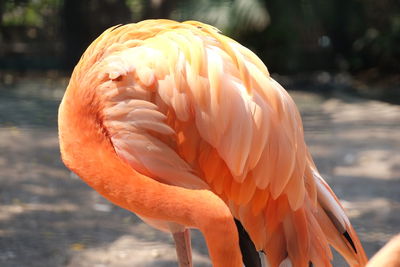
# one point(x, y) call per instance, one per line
point(186, 106)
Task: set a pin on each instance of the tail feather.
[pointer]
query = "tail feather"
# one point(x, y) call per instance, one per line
point(321, 254)
point(275, 247)
point(336, 225)
point(308, 231)
point(356, 244)
point(296, 227)
point(303, 236)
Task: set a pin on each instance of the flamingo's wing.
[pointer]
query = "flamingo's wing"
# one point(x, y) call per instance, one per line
point(133, 114)
point(186, 105)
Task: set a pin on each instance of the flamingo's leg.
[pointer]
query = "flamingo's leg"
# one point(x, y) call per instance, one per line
point(183, 248)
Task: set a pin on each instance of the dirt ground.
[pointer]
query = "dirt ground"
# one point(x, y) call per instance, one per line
point(48, 217)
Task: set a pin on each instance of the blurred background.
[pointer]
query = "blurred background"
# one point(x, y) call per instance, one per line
point(339, 59)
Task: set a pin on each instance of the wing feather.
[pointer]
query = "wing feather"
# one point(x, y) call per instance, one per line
point(190, 107)
point(243, 117)
point(247, 190)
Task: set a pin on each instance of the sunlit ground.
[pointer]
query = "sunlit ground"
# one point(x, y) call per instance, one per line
point(50, 218)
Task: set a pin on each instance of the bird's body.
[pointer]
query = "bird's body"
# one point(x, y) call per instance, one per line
point(185, 127)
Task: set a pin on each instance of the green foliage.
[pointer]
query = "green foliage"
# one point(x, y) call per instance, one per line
point(335, 35)
point(230, 16)
point(136, 7)
point(289, 35)
point(28, 13)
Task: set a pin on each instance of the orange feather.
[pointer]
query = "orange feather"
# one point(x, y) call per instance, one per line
point(185, 127)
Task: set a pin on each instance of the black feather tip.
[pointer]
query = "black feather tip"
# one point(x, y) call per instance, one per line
point(249, 251)
point(347, 236)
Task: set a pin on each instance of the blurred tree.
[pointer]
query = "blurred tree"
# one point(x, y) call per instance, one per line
point(291, 37)
point(231, 16)
point(378, 46)
point(335, 35)
point(80, 28)
point(24, 26)
point(302, 35)
point(84, 20)
point(158, 9)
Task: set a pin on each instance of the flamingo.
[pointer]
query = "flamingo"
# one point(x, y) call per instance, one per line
point(388, 256)
point(185, 127)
